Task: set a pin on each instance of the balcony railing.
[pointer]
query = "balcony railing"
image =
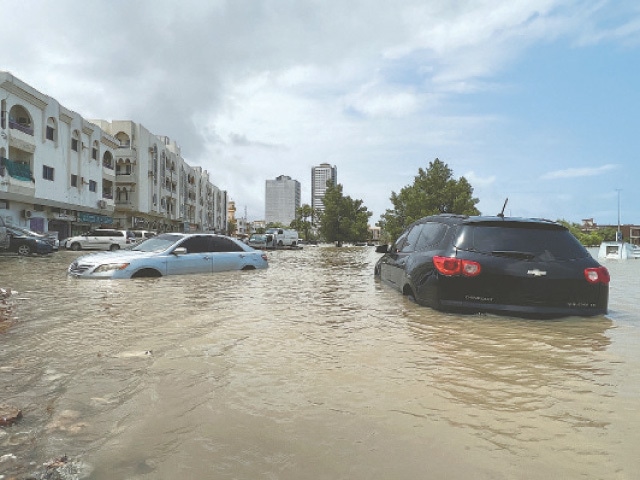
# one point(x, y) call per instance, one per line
point(19, 126)
point(17, 170)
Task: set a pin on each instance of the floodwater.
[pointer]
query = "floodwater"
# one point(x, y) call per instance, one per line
point(308, 370)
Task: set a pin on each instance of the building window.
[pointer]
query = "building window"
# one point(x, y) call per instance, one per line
point(93, 186)
point(74, 180)
point(74, 144)
point(94, 153)
point(50, 133)
point(47, 172)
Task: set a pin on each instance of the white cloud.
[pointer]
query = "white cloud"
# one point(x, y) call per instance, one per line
point(579, 172)
point(478, 181)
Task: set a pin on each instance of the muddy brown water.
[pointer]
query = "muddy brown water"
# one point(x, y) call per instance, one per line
point(309, 370)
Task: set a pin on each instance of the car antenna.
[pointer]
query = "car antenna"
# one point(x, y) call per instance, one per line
point(501, 214)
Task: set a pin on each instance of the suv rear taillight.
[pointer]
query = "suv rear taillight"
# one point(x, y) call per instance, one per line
point(455, 266)
point(597, 275)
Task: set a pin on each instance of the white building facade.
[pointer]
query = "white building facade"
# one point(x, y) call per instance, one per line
point(62, 173)
point(320, 175)
point(282, 200)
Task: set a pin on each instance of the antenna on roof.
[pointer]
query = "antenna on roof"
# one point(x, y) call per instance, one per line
point(501, 214)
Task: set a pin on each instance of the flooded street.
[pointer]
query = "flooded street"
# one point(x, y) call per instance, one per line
point(310, 369)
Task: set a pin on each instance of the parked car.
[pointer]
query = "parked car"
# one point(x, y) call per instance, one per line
point(171, 254)
point(261, 240)
point(26, 242)
point(101, 239)
point(142, 234)
point(515, 266)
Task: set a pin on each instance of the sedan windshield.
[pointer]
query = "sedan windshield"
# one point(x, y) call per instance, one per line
point(158, 243)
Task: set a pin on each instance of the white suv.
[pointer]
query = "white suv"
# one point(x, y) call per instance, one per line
point(100, 239)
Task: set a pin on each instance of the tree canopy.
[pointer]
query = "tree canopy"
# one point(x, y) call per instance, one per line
point(343, 219)
point(591, 238)
point(305, 219)
point(434, 191)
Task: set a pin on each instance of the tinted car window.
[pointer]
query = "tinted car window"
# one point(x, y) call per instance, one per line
point(197, 245)
point(530, 242)
point(431, 234)
point(399, 243)
point(224, 245)
point(409, 244)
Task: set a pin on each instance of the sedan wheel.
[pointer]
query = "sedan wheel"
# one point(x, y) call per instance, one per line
point(75, 246)
point(24, 250)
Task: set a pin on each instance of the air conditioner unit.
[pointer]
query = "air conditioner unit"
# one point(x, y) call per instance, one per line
point(27, 213)
point(102, 203)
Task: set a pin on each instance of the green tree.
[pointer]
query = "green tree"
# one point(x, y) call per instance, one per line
point(304, 221)
point(343, 219)
point(232, 226)
point(433, 191)
point(592, 238)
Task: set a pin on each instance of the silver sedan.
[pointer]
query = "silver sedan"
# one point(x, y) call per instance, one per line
point(171, 254)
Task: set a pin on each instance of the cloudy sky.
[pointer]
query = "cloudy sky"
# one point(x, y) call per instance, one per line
point(534, 100)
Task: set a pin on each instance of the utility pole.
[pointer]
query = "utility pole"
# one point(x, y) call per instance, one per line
point(618, 233)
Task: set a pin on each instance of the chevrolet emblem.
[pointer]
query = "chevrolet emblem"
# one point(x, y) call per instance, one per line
point(536, 273)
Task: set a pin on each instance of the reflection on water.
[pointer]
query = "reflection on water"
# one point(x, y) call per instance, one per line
point(308, 370)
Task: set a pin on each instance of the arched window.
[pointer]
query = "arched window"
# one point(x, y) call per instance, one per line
point(75, 141)
point(95, 150)
point(123, 139)
point(52, 130)
point(107, 160)
point(20, 119)
point(122, 194)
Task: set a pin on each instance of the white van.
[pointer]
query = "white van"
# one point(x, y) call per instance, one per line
point(284, 237)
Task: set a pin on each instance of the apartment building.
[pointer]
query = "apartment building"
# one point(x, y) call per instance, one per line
point(62, 173)
point(282, 200)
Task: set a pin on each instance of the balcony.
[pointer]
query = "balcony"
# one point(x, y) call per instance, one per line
point(21, 137)
point(124, 205)
point(126, 176)
point(17, 178)
point(24, 128)
point(18, 170)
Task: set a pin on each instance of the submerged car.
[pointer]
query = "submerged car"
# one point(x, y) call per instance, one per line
point(171, 254)
point(27, 242)
point(261, 240)
point(513, 266)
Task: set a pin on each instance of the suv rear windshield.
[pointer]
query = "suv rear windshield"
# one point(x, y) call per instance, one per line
point(522, 241)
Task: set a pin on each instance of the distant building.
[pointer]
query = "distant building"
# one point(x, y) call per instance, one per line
point(320, 175)
point(282, 199)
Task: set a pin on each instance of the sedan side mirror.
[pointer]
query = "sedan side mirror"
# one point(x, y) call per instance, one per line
point(180, 251)
point(382, 248)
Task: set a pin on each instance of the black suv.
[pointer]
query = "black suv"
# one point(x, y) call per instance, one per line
point(514, 266)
